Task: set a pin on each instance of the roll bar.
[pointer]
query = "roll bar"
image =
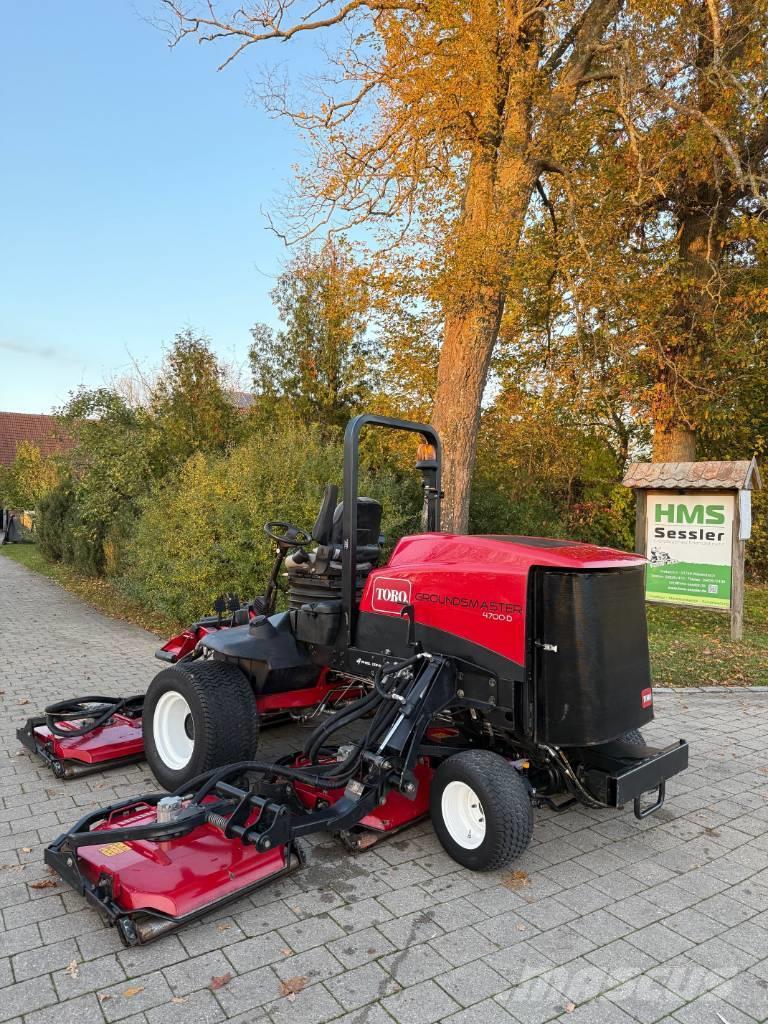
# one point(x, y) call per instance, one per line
point(349, 516)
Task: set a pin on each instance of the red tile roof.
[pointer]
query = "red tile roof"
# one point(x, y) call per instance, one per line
point(45, 432)
point(697, 475)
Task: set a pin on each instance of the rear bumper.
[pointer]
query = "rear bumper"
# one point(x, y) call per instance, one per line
point(619, 773)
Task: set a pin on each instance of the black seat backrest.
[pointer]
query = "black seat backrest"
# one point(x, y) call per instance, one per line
point(368, 522)
point(323, 528)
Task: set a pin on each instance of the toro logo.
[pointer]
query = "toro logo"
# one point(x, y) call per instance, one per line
point(389, 595)
point(646, 698)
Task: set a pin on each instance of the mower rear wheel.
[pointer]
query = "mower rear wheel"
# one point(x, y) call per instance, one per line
point(197, 716)
point(481, 809)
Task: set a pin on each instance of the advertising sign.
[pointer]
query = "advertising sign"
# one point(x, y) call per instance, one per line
point(689, 548)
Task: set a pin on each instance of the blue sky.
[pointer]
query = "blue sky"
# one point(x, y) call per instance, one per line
point(131, 188)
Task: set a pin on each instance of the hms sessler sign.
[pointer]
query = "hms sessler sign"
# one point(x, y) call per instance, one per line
point(689, 544)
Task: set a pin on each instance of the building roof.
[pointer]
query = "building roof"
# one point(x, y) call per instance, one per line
point(242, 400)
point(716, 476)
point(45, 432)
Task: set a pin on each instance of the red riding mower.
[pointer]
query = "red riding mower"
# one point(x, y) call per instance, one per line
point(496, 673)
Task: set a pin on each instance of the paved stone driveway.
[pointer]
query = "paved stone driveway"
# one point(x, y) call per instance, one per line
point(617, 920)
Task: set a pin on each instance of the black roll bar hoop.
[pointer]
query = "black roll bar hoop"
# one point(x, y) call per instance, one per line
point(349, 518)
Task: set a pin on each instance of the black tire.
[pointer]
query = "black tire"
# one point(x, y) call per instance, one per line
point(222, 723)
point(504, 801)
point(635, 737)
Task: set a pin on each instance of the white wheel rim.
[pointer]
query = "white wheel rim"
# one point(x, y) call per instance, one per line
point(463, 815)
point(169, 730)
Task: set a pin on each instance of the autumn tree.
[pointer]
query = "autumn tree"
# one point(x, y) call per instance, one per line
point(435, 121)
point(321, 363)
point(29, 477)
point(189, 404)
point(651, 261)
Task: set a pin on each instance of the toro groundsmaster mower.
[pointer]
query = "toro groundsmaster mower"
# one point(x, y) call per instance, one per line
point(495, 674)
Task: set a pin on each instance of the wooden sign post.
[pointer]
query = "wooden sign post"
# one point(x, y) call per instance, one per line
point(692, 522)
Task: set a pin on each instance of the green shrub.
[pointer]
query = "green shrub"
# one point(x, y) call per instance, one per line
point(202, 533)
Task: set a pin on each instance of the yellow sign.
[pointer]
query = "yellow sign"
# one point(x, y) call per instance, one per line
point(113, 849)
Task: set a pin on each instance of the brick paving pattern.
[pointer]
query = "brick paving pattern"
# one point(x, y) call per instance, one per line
point(658, 921)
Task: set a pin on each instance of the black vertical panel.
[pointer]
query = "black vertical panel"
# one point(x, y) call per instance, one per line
point(590, 690)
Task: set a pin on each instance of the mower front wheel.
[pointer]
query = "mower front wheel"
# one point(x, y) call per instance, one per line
point(197, 716)
point(481, 809)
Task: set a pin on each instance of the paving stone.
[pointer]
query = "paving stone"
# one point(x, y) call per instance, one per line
point(314, 965)
point(314, 931)
point(488, 1012)
point(361, 986)
point(506, 929)
point(418, 927)
point(621, 960)
point(533, 1002)
point(363, 914)
point(26, 996)
point(685, 977)
point(747, 993)
point(424, 1003)
point(88, 976)
point(414, 964)
point(373, 1013)
point(401, 901)
point(579, 980)
point(360, 947)
point(313, 1005)
point(707, 1008)
point(83, 1010)
point(517, 969)
point(196, 972)
point(134, 996)
point(562, 944)
point(462, 946)
point(722, 958)
point(472, 983)
point(257, 952)
point(645, 999)
point(661, 942)
point(198, 1006)
point(19, 940)
point(209, 935)
point(248, 991)
point(598, 1011)
point(43, 960)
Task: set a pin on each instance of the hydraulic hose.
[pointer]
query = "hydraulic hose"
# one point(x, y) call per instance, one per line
point(104, 708)
point(328, 774)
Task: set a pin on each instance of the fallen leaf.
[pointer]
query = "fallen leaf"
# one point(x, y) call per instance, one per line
point(104, 996)
point(44, 883)
point(23, 701)
point(286, 950)
point(26, 849)
point(520, 927)
point(290, 987)
point(515, 880)
point(73, 969)
point(570, 1007)
point(129, 993)
point(178, 1000)
point(224, 927)
point(219, 981)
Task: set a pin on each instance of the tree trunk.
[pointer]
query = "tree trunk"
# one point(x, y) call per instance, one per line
point(465, 357)
point(673, 442)
point(499, 188)
point(700, 249)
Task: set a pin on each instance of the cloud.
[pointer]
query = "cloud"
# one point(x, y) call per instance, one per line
point(42, 351)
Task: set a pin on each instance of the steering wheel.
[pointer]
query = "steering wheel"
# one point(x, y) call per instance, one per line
point(287, 534)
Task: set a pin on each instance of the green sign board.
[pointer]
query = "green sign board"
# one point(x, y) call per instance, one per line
point(689, 548)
